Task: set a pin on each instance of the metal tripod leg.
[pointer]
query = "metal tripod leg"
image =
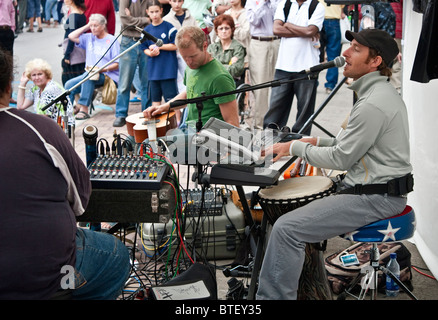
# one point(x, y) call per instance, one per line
point(397, 280)
point(320, 108)
point(258, 259)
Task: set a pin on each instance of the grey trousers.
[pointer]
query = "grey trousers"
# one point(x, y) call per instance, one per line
point(262, 57)
point(317, 221)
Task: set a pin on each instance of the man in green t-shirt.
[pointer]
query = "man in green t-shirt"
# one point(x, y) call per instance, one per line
point(203, 75)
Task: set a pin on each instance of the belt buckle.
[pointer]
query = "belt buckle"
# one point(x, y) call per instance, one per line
point(358, 189)
point(392, 187)
point(410, 182)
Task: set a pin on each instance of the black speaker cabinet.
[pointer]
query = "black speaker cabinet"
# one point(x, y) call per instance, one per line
point(130, 206)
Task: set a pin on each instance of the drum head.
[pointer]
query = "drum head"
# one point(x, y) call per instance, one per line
point(297, 187)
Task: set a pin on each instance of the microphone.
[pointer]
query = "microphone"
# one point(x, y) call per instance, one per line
point(236, 273)
point(61, 98)
point(90, 138)
point(148, 36)
point(336, 62)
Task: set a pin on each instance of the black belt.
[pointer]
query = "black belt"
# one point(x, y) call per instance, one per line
point(394, 187)
point(5, 28)
point(265, 38)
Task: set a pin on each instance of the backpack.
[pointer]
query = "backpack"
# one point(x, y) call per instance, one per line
point(287, 5)
point(385, 18)
point(341, 277)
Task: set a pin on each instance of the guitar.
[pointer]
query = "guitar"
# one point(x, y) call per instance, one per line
point(137, 125)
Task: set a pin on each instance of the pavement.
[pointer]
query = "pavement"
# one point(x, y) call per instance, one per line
point(45, 45)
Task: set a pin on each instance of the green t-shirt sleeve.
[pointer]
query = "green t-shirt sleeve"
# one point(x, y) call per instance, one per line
point(223, 83)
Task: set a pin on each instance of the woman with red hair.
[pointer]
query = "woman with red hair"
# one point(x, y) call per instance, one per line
point(228, 50)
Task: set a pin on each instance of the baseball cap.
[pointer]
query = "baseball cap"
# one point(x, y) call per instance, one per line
point(377, 39)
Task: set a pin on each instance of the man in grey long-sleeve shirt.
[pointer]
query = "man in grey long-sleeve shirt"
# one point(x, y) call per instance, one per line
point(373, 150)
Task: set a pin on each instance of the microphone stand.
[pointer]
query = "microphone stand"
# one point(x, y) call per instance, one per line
point(204, 179)
point(63, 98)
point(199, 105)
point(259, 256)
point(260, 233)
point(273, 83)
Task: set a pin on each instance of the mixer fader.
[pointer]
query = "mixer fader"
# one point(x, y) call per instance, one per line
point(131, 172)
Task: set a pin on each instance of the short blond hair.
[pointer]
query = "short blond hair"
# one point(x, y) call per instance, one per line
point(188, 35)
point(38, 64)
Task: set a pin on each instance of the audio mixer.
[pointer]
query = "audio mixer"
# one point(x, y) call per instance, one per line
point(129, 189)
point(127, 172)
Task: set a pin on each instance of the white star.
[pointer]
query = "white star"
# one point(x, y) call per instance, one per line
point(349, 235)
point(389, 232)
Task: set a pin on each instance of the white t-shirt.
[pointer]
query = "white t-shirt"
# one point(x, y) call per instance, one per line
point(296, 54)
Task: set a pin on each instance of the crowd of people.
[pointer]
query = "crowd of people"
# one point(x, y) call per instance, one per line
point(205, 47)
point(258, 36)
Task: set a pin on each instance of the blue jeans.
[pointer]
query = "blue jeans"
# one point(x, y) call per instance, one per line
point(33, 9)
point(127, 65)
point(333, 49)
point(282, 98)
point(166, 89)
point(86, 89)
point(51, 10)
point(102, 266)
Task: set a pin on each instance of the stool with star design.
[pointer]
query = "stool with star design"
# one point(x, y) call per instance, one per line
point(396, 228)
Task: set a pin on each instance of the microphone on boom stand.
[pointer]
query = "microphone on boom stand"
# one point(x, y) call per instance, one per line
point(148, 36)
point(336, 62)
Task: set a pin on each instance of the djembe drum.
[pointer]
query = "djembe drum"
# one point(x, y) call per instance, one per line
point(287, 196)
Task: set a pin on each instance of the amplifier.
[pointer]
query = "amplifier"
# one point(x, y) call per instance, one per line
point(127, 172)
point(130, 205)
point(212, 205)
point(218, 236)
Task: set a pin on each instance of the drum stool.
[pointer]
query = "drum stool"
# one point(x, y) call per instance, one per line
point(396, 228)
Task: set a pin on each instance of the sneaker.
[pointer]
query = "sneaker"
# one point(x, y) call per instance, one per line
point(135, 99)
point(119, 122)
point(328, 90)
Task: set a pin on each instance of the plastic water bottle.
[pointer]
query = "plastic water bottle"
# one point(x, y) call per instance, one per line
point(367, 21)
point(392, 288)
point(316, 44)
